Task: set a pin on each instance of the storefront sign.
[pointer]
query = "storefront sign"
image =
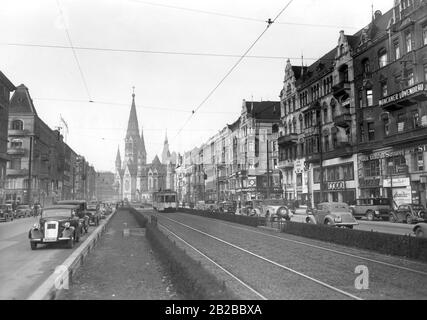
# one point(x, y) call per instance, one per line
point(402, 94)
point(385, 154)
point(402, 196)
point(397, 182)
point(369, 183)
point(299, 166)
point(335, 186)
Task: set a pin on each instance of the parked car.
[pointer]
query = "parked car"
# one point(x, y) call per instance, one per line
point(37, 210)
point(228, 207)
point(420, 230)
point(81, 211)
point(409, 213)
point(372, 208)
point(303, 214)
point(59, 223)
point(94, 215)
point(334, 214)
point(23, 211)
point(6, 213)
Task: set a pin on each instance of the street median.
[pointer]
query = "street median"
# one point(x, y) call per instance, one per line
point(59, 280)
point(390, 244)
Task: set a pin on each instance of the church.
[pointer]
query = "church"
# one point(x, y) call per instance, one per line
point(135, 179)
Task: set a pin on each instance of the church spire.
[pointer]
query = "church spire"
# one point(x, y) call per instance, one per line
point(166, 137)
point(133, 128)
point(118, 159)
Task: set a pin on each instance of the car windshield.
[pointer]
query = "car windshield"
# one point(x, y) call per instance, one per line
point(274, 202)
point(382, 202)
point(338, 207)
point(47, 213)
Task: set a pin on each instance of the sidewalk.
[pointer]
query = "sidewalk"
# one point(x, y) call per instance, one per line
point(121, 268)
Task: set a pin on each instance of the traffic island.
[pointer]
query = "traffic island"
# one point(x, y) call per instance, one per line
point(123, 267)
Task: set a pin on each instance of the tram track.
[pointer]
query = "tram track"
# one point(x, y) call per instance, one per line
point(181, 230)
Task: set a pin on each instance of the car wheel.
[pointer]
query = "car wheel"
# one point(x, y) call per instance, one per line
point(328, 223)
point(370, 215)
point(70, 243)
point(33, 245)
point(419, 233)
point(408, 219)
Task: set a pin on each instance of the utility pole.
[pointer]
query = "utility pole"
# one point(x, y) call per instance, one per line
point(30, 171)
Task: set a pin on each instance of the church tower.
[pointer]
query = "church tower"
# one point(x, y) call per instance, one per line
point(118, 160)
point(166, 154)
point(132, 140)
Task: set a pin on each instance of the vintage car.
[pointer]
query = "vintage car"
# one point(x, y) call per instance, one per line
point(303, 214)
point(6, 213)
point(228, 207)
point(274, 208)
point(372, 208)
point(37, 210)
point(420, 230)
point(23, 211)
point(81, 211)
point(409, 213)
point(58, 223)
point(94, 215)
point(334, 214)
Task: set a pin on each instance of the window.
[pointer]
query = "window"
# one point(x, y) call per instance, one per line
point(366, 66)
point(410, 77)
point(17, 125)
point(387, 127)
point(360, 96)
point(415, 119)
point(408, 42)
point(348, 171)
point(334, 140)
point(301, 124)
point(325, 115)
point(419, 160)
point(299, 179)
point(396, 50)
point(382, 58)
point(400, 122)
point(326, 143)
point(369, 98)
point(425, 34)
point(362, 132)
point(15, 163)
point(384, 91)
point(371, 131)
point(16, 144)
point(316, 175)
point(371, 168)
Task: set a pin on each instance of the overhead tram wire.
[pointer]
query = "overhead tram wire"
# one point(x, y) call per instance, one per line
point(182, 53)
point(238, 17)
point(269, 23)
point(74, 51)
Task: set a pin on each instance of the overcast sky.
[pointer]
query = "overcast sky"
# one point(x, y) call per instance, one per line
point(167, 86)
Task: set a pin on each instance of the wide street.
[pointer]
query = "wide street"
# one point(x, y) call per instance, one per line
point(262, 264)
point(21, 269)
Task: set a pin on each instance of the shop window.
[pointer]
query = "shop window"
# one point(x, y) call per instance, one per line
point(371, 168)
point(349, 197)
point(316, 175)
point(348, 171)
point(382, 57)
point(394, 164)
point(334, 196)
point(371, 131)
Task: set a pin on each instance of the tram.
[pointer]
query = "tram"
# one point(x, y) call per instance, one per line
point(164, 201)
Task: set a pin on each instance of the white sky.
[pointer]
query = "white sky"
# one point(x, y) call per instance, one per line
point(161, 81)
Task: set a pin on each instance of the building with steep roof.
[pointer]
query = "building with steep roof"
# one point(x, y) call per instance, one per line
point(135, 179)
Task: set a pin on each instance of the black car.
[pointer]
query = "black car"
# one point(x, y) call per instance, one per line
point(94, 215)
point(58, 223)
point(81, 211)
point(6, 213)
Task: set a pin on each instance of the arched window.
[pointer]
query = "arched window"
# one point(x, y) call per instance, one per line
point(301, 123)
point(382, 57)
point(295, 125)
point(17, 125)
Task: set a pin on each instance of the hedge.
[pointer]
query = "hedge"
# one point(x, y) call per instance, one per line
point(391, 244)
point(190, 278)
point(249, 221)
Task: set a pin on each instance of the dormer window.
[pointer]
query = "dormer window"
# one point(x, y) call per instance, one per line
point(17, 125)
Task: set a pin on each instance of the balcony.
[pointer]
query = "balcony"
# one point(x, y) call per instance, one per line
point(404, 98)
point(16, 151)
point(341, 89)
point(414, 135)
point(286, 164)
point(342, 150)
point(290, 138)
point(313, 158)
point(343, 120)
point(17, 172)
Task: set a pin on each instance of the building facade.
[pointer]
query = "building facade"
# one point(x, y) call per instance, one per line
point(6, 87)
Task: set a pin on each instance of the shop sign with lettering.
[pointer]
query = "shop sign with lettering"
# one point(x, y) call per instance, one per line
point(402, 94)
point(397, 182)
point(369, 183)
point(335, 186)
